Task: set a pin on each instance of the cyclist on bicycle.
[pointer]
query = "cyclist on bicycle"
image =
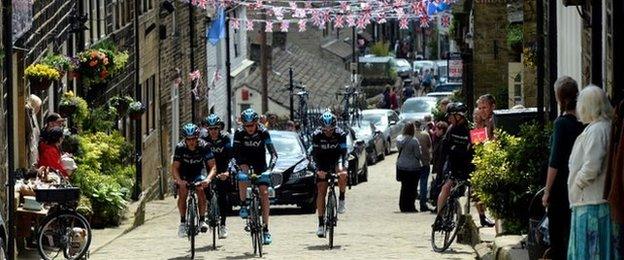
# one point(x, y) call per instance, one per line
point(221, 147)
point(189, 158)
point(329, 151)
point(457, 148)
point(250, 144)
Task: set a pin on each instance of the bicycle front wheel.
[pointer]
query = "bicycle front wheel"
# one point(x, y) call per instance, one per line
point(65, 235)
point(331, 217)
point(214, 220)
point(192, 223)
point(444, 228)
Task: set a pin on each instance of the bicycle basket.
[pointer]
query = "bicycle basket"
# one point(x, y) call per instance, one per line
point(57, 195)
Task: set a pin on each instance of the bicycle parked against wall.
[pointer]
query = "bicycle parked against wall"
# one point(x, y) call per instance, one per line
point(63, 233)
point(449, 220)
point(350, 112)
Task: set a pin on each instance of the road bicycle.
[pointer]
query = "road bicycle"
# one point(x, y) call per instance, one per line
point(254, 220)
point(449, 219)
point(214, 214)
point(63, 233)
point(192, 215)
point(331, 208)
point(351, 112)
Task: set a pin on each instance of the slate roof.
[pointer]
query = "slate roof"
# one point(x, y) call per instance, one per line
point(339, 48)
point(321, 78)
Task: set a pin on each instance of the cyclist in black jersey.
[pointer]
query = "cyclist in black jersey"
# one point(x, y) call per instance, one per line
point(457, 146)
point(220, 145)
point(189, 159)
point(251, 142)
point(329, 151)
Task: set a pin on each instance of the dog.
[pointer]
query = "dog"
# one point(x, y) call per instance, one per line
point(78, 240)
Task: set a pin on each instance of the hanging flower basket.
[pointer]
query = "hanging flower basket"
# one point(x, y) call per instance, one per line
point(121, 104)
point(39, 84)
point(66, 110)
point(136, 110)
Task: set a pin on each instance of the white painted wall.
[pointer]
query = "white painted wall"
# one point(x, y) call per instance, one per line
point(569, 51)
point(255, 100)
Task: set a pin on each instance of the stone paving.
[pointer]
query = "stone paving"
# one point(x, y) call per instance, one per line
point(372, 228)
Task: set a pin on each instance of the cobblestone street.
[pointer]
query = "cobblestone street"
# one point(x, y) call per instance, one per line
point(372, 228)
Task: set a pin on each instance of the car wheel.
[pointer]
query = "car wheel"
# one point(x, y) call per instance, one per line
point(387, 147)
point(382, 156)
point(308, 208)
point(372, 158)
point(364, 177)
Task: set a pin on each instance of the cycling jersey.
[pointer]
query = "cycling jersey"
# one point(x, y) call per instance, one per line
point(251, 149)
point(192, 162)
point(457, 147)
point(222, 150)
point(328, 151)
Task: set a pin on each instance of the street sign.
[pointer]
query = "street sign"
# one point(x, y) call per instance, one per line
point(455, 66)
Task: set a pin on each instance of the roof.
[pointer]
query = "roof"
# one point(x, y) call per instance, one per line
point(339, 48)
point(321, 78)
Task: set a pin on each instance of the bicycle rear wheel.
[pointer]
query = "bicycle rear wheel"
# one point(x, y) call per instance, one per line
point(331, 216)
point(64, 235)
point(444, 228)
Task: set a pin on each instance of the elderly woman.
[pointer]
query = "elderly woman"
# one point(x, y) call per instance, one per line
point(591, 230)
point(408, 167)
point(555, 198)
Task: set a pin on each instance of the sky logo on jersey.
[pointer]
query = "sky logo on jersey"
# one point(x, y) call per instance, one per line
point(252, 143)
point(216, 149)
point(329, 146)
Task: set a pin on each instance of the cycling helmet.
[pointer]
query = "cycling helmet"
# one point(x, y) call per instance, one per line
point(328, 120)
point(190, 130)
point(249, 115)
point(213, 120)
point(457, 108)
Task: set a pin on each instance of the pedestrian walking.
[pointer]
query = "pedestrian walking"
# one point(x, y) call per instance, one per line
point(592, 232)
point(425, 149)
point(555, 198)
point(408, 166)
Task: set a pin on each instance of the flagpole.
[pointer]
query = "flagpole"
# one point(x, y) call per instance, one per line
point(192, 57)
point(228, 68)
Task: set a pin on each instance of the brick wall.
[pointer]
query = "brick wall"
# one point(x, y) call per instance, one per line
point(490, 51)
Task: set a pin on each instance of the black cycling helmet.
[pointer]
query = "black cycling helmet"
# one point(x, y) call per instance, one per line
point(456, 108)
point(213, 120)
point(328, 119)
point(249, 115)
point(190, 130)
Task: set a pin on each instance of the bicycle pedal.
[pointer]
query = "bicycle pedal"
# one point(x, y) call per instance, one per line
point(247, 229)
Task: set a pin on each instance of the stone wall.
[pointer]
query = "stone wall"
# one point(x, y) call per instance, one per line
point(490, 51)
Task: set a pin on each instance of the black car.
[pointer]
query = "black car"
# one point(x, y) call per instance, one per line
point(358, 163)
point(448, 87)
point(373, 138)
point(293, 176)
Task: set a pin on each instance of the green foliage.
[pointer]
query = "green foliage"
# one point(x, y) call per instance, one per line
point(60, 62)
point(380, 49)
point(508, 173)
point(514, 35)
point(101, 119)
point(103, 174)
point(393, 74)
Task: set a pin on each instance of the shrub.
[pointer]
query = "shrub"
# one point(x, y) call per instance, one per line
point(509, 172)
point(380, 49)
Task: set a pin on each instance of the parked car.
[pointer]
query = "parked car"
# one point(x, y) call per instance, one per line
point(417, 108)
point(388, 122)
point(421, 65)
point(294, 175)
point(403, 68)
point(441, 71)
point(440, 95)
point(365, 131)
point(448, 87)
point(358, 165)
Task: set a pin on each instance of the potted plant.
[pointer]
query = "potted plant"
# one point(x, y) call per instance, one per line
point(136, 110)
point(61, 63)
point(41, 76)
point(121, 103)
point(68, 105)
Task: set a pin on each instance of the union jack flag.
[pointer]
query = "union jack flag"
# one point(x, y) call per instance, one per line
point(445, 21)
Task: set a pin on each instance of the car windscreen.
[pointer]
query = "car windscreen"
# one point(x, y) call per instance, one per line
point(403, 63)
point(362, 130)
point(417, 106)
point(377, 119)
point(447, 87)
point(287, 145)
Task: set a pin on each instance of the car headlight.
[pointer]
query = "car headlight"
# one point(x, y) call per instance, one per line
point(301, 174)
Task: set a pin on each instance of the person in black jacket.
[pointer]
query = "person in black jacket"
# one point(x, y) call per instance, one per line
point(221, 146)
point(439, 158)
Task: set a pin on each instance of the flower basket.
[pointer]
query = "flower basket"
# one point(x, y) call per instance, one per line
point(136, 110)
point(39, 84)
point(67, 110)
point(121, 104)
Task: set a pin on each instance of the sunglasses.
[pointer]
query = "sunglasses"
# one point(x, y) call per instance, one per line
point(249, 126)
point(192, 139)
point(327, 129)
point(214, 128)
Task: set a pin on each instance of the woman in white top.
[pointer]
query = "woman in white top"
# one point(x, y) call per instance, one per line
point(591, 229)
